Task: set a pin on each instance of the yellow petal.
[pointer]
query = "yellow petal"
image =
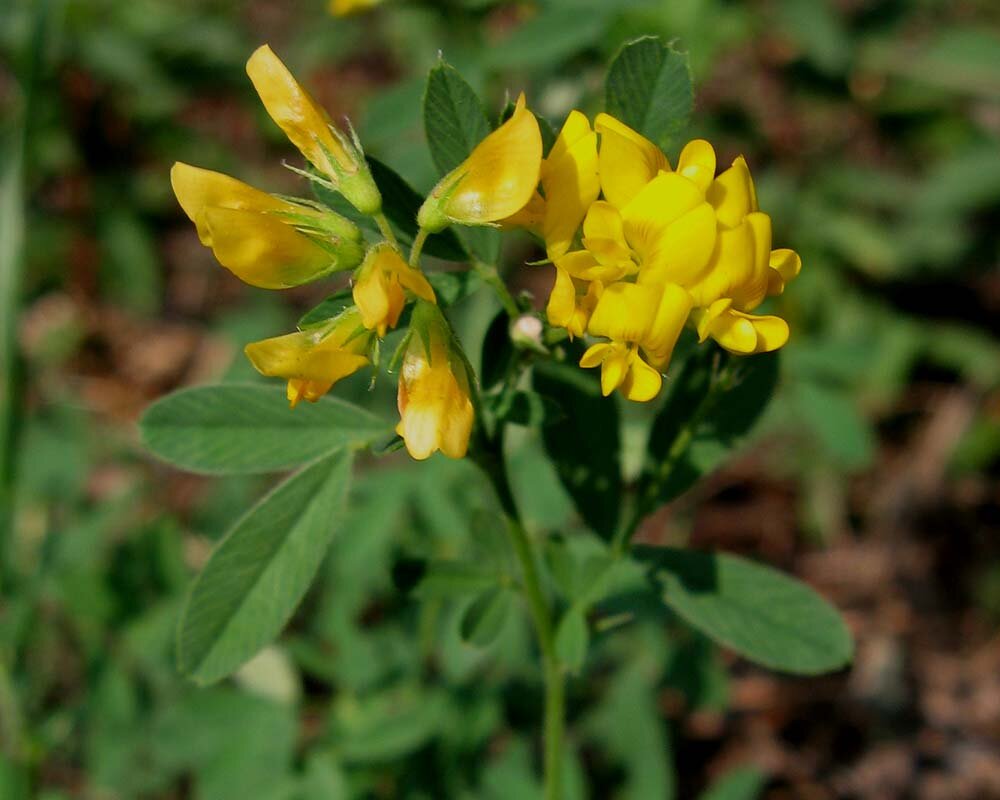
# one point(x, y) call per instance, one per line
point(704, 317)
point(732, 194)
point(301, 356)
point(772, 332)
point(697, 163)
point(730, 266)
point(671, 315)
point(614, 368)
point(569, 178)
point(305, 124)
point(584, 266)
point(532, 216)
point(496, 180)
point(199, 189)
point(627, 160)
point(263, 251)
point(604, 221)
point(784, 265)
point(562, 300)
point(661, 201)
point(342, 8)
point(684, 248)
point(594, 355)
point(625, 312)
point(751, 291)
point(642, 383)
point(734, 332)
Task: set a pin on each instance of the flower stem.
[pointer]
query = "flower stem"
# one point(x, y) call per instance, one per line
point(491, 276)
point(418, 246)
point(386, 228)
point(541, 615)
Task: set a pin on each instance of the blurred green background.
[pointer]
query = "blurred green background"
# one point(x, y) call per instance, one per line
point(873, 131)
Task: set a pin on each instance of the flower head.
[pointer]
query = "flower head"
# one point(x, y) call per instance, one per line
point(495, 181)
point(314, 359)
point(657, 249)
point(264, 240)
point(338, 158)
point(435, 407)
point(380, 284)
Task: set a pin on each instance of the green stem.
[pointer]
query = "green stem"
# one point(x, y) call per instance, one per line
point(386, 228)
point(418, 246)
point(490, 276)
point(541, 615)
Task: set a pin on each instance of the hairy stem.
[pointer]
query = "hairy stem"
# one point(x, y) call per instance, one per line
point(418, 246)
point(386, 228)
point(541, 615)
point(490, 276)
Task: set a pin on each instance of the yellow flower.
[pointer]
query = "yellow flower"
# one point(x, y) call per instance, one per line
point(341, 8)
point(622, 366)
point(379, 286)
point(339, 159)
point(495, 181)
point(313, 360)
point(571, 302)
point(570, 185)
point(435, 407)
point(264, 240)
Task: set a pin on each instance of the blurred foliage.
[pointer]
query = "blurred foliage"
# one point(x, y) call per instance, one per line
point(874, 130)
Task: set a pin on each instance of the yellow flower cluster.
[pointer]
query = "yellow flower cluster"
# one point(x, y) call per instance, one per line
point(641, 249)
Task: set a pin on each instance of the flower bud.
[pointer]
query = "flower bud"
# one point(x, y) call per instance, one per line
point(265, 241)
point(339, 158)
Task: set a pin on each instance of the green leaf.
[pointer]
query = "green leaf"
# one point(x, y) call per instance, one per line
point(454, 118)
point(834, 418)
point(261, 569)
point(584, 444)
point(648, 87)
point(454, 123)
point(743, 783)
point(714, 402)
point(551, 37)
point(764, 615)
point(242, 429)
point(455, 579)
point(484, 618)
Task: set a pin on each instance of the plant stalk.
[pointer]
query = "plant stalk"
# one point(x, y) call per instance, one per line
point(491, 276)
point(541, 615)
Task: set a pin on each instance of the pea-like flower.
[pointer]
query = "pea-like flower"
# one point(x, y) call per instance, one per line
point(661, 248)
point(342, 8)
point(313, 360)
point(380, 285)
point(264, 240)
point(494, 182)
point(339, 158)
point(435, 406)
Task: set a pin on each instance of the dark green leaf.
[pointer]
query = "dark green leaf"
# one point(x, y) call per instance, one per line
point(743, 783)
point(649, 89)
point(241, 429)
point(454, 118)
point(764, 615)
point(714, 402)
point(455, 579)
point(327, 309)
point(261, 569)
point(584, 444)
point(484, 618)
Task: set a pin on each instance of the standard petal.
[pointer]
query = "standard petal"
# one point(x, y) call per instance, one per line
point(499, 176)
point(683, 250)
point(199, 189)
point(627, 160)
point(625, 312)
point(732, 194)
point(661, 201)
point(697, 163)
